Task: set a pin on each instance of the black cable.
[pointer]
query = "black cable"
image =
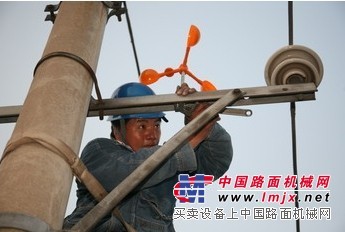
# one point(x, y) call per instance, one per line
point(293, 119)
point(132, 38)
point(290, 12)
point(294, 156)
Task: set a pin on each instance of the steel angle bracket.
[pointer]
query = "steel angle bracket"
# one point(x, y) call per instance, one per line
point(51, 9)
point(187, 109)
point(116, 9)
point(167, 102)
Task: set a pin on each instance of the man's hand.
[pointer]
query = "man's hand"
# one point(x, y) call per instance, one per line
point(184, 90)
point(202, 134)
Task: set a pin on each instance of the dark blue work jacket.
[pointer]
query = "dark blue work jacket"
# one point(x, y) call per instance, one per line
point(150, 206)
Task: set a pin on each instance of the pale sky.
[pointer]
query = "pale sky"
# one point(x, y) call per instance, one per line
point(237, 39)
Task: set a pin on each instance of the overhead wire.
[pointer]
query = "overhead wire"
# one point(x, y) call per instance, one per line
point(132, 38)
point(293, 119)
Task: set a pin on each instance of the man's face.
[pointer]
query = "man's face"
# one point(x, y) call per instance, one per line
point(142, 133)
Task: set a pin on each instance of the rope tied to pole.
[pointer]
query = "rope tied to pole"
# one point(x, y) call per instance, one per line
point(77, 166)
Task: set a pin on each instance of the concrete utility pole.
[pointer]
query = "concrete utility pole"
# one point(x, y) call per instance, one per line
point(35, 180)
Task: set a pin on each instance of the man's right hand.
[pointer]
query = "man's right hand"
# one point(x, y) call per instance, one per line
point(203, 133)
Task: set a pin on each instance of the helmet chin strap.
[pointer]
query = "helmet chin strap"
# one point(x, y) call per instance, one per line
point(123, 131)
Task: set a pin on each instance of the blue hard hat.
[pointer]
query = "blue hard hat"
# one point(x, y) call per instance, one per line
point(134, 89)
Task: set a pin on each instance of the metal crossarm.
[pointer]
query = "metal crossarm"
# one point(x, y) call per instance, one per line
point(167, 102)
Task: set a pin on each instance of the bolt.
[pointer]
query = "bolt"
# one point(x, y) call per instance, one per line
point(237, 91)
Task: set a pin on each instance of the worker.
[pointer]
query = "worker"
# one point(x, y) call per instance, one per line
point(134, 137)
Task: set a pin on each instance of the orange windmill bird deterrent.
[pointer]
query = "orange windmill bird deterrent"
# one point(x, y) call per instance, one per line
point(150, 76)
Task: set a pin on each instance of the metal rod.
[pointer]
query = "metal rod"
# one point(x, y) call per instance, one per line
point(151, 163)
point(294, 155)
point(290, 12)
point(293, 119)
point(167, 102)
